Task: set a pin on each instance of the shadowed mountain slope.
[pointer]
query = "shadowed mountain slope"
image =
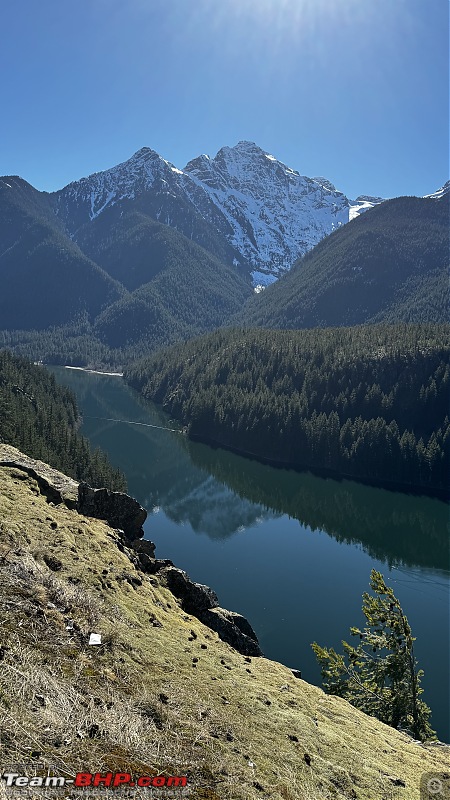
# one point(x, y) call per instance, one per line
point(46, 279)
point(389, 264)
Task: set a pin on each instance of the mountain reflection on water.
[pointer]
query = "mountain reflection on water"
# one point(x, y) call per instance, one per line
point(219, 493)
point(290, 551)
point(392, 527)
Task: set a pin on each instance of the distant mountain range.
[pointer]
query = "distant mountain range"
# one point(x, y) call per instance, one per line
point(146, 252)
point(244, 205)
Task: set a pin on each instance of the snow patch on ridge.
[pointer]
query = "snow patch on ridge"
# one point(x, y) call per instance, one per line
point(95, 214)
point(363, 203)
point(440, 193)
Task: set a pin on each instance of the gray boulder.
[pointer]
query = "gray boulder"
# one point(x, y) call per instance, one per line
point(118, 509)
point(232, 628)
point(195, 597)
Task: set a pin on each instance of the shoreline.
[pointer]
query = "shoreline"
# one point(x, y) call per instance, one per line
point(95, 371)
point(324, 472)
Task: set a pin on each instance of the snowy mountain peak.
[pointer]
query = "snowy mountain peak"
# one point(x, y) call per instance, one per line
point(266, 214)
point(326, 184)
point(142, 156)
point(144, 151)
point(145, 170)
point(243, 149)
point(274, 214)
point(245, 157)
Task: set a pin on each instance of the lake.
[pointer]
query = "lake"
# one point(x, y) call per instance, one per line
point(290, 551)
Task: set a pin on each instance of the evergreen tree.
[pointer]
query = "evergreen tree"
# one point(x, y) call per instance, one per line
point(42, 419)
point(380, 675)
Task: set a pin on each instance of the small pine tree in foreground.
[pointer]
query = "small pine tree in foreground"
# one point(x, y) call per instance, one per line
point(380, 675)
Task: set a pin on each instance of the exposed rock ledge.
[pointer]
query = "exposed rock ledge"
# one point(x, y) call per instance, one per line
point(127, 516)
point(58, 488)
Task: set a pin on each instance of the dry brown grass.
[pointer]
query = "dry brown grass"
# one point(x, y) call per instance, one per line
point(138, 702)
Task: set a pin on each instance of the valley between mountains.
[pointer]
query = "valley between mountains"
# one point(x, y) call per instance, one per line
point(145, 254)
point(269, 315)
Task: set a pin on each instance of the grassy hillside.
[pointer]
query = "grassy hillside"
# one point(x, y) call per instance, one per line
point(162, 694)
point(387, 265)
point(369, 402)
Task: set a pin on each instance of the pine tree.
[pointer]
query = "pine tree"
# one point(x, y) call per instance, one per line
point(380, 675)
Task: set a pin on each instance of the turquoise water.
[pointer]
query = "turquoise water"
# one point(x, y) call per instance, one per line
point(292, 552)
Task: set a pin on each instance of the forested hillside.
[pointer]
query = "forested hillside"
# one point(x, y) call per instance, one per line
point(190, 292)
point(41, 419)
point(46, 279)
point(387, 265)
point(122, 285)
point(370, 401)
point(115, 283)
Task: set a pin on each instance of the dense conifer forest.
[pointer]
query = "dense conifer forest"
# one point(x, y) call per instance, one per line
point(388, 265)
point(125, 284)
point(41, 419)
point(369, 402)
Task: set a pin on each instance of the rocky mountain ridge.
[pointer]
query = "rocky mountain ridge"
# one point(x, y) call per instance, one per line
point(145, 254)
point(244, 205)
point(267, 213)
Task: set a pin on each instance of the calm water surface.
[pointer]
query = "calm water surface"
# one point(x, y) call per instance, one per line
point(291, 552)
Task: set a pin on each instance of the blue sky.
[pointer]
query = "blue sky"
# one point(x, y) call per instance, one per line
point(353, 90)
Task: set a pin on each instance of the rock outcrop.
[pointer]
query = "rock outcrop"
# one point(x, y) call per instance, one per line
point(232, 628)
point(127, 516)
point(54, 485)
point(118, 509)
point(202, 602)
point(195, 597)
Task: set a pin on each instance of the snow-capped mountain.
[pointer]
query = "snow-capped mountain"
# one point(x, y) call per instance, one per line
point(363, 203)
point(84, 200)
point(148, 253)
point(275, 214)
point(266, 213)
point(244, 206)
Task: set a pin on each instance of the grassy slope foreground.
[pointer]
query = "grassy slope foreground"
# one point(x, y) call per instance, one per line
point(369, 402)
point(162, 694)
